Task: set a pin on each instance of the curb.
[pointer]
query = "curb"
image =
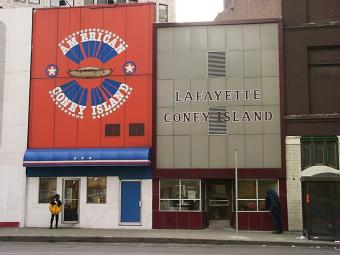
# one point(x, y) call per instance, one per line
point(65, 239)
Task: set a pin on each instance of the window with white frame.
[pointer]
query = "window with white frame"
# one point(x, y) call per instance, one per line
point(47, 189)
point(180, 195)
point(251, 194)
point(96, 190)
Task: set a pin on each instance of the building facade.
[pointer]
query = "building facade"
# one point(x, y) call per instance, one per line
point(312, 73)
point(15, 56)
point(219, 105)
point(164, 9)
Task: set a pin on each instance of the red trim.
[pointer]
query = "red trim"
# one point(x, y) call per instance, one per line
point(13, 224)
point(154, 99)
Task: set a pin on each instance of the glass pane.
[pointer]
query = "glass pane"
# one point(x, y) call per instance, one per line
point(47, 189)
point(190, 189)
point(262, 205)
point(306, 155)
point(163, 13)
point(71, 189)
point(101, 1)
point(96, 190)
point(318, 152)
point(169, 205)
point(332, 154)
point(247, 189)
point(88, 2)
point(71, 195)
point(264, 185)
point(169, 189)
point(190, 205)
point(71, 210)
point(247, 205)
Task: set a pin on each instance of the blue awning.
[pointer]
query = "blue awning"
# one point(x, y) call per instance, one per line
point(87, 157)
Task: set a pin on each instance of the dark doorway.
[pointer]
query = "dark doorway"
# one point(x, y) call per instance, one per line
point(321, 206)
point(219, 197)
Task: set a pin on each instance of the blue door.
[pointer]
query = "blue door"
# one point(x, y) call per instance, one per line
point(130, 202)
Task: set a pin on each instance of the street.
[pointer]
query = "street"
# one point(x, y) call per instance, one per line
point(164, 249)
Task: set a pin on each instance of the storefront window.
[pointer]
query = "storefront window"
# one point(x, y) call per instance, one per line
point(47, 189)
point(96, 190)
point(180, 195)
point(251, 194)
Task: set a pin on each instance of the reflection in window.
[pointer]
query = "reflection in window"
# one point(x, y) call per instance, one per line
point(180, 195)
point(163, 13)
point(96, 190)
point(251, 194)
point(47, 189)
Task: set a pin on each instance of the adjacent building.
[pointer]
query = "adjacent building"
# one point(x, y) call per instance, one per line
point(312, 74)
point(164, 9)
point(219, 105)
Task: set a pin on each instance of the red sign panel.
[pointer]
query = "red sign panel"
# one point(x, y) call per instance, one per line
point(91, 66)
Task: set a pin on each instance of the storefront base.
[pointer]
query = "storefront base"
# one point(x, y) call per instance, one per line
point(261, 221)
point(179, 220)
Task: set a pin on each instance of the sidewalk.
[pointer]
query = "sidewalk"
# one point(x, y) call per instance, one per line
point(206, 236)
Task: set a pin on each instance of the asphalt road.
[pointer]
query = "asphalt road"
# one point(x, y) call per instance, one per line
point(159, 249)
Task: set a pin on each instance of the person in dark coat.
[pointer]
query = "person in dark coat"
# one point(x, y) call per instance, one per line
point(55, 208)
point(274, 206)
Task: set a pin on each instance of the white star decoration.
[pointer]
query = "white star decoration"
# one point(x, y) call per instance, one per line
point(129, 68)
point(52, 71)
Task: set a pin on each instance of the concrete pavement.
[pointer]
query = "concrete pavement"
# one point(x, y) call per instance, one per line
point(220, 236)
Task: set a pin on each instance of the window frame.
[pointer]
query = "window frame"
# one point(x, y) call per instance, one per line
point(167, 13)
point(52, 191)
point(87, 190)
point(180, 199)
point(311, 142)
point(257, 199)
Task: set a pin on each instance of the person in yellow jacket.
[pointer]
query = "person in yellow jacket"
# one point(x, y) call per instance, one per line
point(55, 208)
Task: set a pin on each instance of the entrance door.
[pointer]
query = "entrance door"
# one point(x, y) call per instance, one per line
point(219, 200)
point(130, 203)
point(71, 201)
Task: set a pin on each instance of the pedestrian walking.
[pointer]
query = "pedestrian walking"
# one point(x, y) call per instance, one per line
point(274, 206)
point(55, 208)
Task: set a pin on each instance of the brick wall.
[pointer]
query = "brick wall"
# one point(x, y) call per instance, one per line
point(293, 166)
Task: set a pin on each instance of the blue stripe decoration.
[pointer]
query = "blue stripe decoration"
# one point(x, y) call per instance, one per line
point(83, 98)
point(103, 50)
point(75, 54)
point(87, 157)
point(111, 86)
point(71, 91)
point(107, 94)
point(95, 48)
point(93, 99)
point(107, 56)
point(66, 86)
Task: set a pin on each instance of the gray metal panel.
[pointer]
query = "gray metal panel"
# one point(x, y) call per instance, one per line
point(165, 66)
point(163, 127)
point(165, 41)
point(201, 127)
point(271, 90)
point(234, 37)
point(165, 93)
point(237, 128)
point(182, 152)
point(252, 63)
point(199, 38)
point(273, 126)
point(182, 128)
point(270, 63)
point(181, 39)
point(254, 127)
point(234, 63)
point(269, 36)
point(199, 151)
point(165, 151)
point(182, 66)
point(217, 84)
point(181, 86)
point(218, 157)
point(252, 84)
point(216, 38)
point(198, 85)
point(252, 37)
point(236, 142)
point(254, 151)
point(272, 150)
point(198, 63)
point(234, 84)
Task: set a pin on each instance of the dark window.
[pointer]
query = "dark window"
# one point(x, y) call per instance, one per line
point(47, 189)
point(216, 64)
point(112, 129)
point(163, 13)
point(217, 124)
point(133, 1)
point(136, 129)
point(121, 1)
point(101, 1)
point(319, 151)
point(88, 2)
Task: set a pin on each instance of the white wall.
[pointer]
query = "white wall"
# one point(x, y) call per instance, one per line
point(294, 196)
point(15, 102)
point(90, 215)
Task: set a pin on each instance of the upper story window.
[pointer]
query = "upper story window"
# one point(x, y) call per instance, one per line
point(217, 125)
point(136, 129)
point(56, 3)
point(163, 13)
point(319, 151)
point(112, 129)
